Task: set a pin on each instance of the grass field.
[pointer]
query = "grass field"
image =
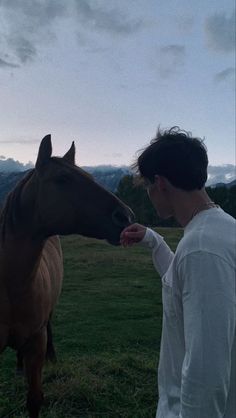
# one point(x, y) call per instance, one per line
point(107, 329)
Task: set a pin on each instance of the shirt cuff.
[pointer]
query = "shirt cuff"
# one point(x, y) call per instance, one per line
point(151, 239)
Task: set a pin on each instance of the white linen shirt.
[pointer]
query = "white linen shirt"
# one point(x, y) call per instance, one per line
point(197, 365)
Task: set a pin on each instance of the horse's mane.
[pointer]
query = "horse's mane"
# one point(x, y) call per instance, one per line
point(10, 214)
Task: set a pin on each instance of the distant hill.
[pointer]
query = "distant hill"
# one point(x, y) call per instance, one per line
point(108, 176)
point(9, 165)
point(227, 185)
point(8, 182)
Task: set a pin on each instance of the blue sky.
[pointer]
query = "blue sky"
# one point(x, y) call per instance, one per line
point(107, 73)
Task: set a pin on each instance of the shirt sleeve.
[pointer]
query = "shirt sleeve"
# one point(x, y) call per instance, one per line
point(208, 292)
point(162, 255)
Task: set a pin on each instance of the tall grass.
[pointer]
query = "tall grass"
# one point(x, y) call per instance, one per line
point(107, 329)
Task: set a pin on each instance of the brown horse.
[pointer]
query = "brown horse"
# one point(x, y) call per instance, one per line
point(56, 197)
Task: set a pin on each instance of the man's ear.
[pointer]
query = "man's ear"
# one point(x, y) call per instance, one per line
point(161, 183)
point(70, 155)
point(45, 152)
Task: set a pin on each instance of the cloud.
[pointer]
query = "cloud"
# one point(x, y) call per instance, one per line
point(172, 58)
point(227, 74)
point(4, 64)
point(221, 174)
point(117, 155)
point(185, 23)
point(42, 12)
point(220, 32)
point(19, 141)
point(11, 165)
point(105, 19)
point(27, 25)
point(23, 48)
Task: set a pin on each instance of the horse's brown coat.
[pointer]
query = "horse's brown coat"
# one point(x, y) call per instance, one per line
point(55, 198)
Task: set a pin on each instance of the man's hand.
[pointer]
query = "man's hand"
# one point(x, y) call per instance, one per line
point(132, 235)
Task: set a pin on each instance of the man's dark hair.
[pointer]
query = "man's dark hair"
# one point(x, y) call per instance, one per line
point(176, 155)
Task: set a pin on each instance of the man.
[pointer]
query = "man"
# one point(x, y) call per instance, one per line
point(197, 366)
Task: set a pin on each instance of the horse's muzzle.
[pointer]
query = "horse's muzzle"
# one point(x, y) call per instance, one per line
point(123, 216)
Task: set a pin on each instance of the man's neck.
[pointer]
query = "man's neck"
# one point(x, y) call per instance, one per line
point(187, 204)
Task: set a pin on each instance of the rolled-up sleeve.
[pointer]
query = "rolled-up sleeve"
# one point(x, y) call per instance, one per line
point(208, 297)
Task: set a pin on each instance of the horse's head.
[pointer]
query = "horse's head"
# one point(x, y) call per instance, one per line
point(69, 201)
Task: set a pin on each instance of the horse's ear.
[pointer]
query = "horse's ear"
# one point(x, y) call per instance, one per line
point(70, 155)
point(45, 152)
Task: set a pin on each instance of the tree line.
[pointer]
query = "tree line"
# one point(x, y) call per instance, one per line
point(136, 197)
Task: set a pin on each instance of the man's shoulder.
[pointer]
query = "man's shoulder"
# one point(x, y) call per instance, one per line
point(212, 233)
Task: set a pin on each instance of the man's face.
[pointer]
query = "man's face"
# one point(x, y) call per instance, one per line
point(158, 195)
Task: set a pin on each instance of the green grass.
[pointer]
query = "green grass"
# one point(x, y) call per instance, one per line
point(107, 329)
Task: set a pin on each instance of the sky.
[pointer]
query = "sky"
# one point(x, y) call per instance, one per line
point(107, 73)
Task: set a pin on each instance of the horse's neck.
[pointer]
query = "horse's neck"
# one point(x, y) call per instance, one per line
point(19, 259)
point(20, 250)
